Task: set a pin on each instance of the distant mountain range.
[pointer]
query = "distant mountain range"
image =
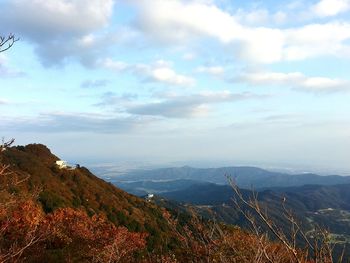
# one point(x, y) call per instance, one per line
point(140, 182)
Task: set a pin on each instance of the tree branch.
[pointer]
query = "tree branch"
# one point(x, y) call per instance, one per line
point(7, 42)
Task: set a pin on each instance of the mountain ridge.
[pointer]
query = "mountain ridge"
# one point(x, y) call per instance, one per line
point(160, 180)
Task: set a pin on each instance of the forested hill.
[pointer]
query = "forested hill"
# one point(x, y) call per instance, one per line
point(79, 188)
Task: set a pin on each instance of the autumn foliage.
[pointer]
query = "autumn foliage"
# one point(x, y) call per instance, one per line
point(63, 236)
point(213, 242)
point(96, 239)
point(28, 234)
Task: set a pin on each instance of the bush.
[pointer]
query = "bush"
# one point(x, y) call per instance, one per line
point(50, 201)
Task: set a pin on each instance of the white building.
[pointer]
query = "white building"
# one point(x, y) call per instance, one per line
point(61, 164)
point(149, 197)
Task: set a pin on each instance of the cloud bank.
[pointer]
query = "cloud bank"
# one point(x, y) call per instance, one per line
point(58, 29)
point(175, 21)
point(160, 71)
point(295, 80)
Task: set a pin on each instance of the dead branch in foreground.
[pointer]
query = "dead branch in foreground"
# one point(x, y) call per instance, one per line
point(317, 248)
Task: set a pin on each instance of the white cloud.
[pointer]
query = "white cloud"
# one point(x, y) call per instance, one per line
point(169, 76)
point(173, 105)
point(58, 28)
point(113, 64)
point(116, 100)
point(316, 40)
point(59, 122)
point(296, 80)
point(98, 83)
point(178, 22)
point(189, 56)
point(326, 8)
point(160, 71)
point(213, 70)
point(194, 105)
point(259, 16)
point(3, 102)
point(280, 17)
point(43, 19)
point(62, 29)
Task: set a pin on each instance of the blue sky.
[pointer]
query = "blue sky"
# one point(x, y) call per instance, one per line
point(212, 81)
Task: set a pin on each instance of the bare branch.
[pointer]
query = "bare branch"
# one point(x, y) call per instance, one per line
point(5, 144)
point(322, 249)
point(7, 42)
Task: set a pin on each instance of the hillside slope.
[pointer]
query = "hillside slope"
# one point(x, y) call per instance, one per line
point(78, 188)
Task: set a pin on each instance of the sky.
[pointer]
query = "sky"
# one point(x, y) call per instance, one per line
point(180, 81)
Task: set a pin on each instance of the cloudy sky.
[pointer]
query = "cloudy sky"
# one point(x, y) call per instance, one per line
point(160, 81)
